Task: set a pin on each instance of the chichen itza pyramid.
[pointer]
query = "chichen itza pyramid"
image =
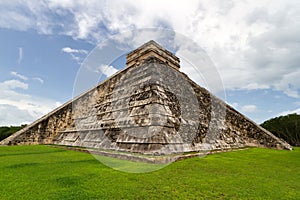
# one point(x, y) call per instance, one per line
point(148, 108)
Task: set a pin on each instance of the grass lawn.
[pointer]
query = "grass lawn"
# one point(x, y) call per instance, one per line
point(44, 172)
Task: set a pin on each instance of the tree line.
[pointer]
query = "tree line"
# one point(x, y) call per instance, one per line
point(6, 131)
point(285, 127)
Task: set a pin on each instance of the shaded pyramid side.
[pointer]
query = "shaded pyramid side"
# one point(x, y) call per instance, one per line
point(147, 108)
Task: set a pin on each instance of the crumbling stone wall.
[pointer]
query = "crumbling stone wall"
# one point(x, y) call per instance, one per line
point(44, 130)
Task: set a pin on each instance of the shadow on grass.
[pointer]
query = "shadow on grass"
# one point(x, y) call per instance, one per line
point(89, 161)
point(68, 181)
point(21, 165)
point(31, 153)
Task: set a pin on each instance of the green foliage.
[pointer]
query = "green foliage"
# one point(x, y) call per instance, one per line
point(44, 172)
point(285, 127)
point(6, 131)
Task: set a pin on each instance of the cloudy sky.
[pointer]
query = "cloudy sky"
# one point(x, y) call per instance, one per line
point(253, 45)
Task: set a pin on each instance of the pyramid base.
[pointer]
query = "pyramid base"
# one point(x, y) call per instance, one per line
point(151, 159)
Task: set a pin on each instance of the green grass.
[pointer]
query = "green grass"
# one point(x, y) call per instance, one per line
point(43, 172)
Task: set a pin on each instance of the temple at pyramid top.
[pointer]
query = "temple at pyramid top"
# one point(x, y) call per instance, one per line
point(152, 49)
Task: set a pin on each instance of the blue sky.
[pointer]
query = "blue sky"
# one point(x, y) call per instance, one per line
point(253, 45)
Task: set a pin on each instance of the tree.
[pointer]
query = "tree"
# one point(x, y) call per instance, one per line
point(285, 127)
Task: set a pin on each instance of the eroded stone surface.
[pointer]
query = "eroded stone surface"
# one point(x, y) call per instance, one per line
point(148, 108)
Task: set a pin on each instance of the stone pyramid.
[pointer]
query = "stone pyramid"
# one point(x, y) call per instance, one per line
point(150, 107)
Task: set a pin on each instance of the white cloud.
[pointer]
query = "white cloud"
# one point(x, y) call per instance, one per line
point(13, 84)
point(12, 19)
point(76, 54)
point(249, 108)
point(254, 44)
point(11, 115)
point(70, 50)
point(106, 70)
point(57, 104)
point(245, 108)
point(25, 78)
point(20, 58)
point(297, 111)
point(38, 79)
point(18, 107)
